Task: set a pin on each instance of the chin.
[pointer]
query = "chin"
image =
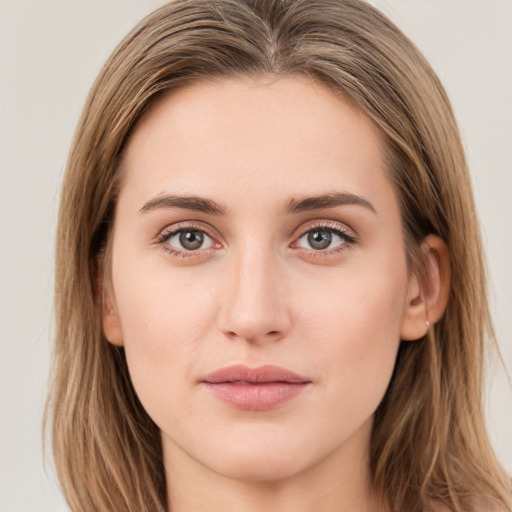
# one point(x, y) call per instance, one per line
point(264, 456)
point(258, 467)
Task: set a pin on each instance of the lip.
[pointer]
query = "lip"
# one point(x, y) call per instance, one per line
point(255, 389)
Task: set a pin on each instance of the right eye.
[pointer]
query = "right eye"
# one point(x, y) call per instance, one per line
point(188, 239)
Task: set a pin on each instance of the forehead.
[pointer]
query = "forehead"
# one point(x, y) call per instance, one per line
point(263, 136)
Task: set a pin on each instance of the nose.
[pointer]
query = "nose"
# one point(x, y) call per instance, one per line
point(254, 301)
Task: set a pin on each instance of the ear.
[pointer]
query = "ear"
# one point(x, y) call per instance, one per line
point(111, 326)
point(429, 291)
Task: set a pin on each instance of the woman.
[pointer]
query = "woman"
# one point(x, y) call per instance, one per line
point(268, 226)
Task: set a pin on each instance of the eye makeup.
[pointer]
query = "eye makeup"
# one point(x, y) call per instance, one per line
point(187, 233)
point(192, 239)
point(337, 237)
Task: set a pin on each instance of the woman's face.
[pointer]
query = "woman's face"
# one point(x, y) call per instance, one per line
point(256, 228)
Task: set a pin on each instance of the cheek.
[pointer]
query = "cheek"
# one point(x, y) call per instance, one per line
point(156, 308)
point(164, 317)
point(356, 327)
point(362, 307)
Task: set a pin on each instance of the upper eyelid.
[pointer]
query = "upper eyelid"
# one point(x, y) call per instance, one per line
point(326, 224)
point(181, 226)
point(297, 233)
point(172, 230)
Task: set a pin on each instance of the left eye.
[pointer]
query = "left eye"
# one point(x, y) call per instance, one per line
point(189, 240)
point(321, 239)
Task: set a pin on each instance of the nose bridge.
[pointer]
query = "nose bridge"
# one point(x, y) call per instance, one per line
point(254, 305)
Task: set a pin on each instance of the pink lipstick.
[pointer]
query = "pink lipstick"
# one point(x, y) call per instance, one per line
point(255, 389)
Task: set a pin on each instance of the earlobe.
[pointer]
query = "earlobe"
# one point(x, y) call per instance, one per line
point(111, 325)
point(429, 291)
point(110, 319)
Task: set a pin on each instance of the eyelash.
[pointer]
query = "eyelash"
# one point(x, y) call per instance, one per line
point(163, 238)
point(349, 240)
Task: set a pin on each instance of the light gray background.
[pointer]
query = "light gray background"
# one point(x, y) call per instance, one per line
point(50, 52)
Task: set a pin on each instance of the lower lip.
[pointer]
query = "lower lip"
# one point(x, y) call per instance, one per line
point(259, 397)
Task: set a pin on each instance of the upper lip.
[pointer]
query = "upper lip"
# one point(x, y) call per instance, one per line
point(262, 374)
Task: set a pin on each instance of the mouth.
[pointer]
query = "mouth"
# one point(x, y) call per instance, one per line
point(255, 389)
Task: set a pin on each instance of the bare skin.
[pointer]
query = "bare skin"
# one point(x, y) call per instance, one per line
point(296, 259)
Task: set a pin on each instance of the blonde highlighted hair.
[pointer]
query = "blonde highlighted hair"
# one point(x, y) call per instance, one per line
point(429, 443)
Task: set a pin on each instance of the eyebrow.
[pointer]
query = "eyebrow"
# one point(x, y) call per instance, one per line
point(330, 200)
point(208, 206)
point(197, 204)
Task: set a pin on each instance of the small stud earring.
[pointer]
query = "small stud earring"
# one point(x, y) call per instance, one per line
point(427, 323)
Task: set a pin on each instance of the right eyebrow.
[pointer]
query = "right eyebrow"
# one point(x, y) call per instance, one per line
point(194, 203)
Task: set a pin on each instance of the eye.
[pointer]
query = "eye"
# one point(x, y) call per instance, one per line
point(324, 238)
point(189, 239)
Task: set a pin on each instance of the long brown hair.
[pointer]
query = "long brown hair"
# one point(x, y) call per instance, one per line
point(429, 443)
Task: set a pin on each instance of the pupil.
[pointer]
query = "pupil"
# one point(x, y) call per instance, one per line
point(191, 240)
point(320, 239)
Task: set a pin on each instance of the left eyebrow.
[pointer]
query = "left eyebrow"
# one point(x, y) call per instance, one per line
point(330, 200)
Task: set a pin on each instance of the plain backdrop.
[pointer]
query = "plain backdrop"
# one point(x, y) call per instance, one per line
point(50, 52)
